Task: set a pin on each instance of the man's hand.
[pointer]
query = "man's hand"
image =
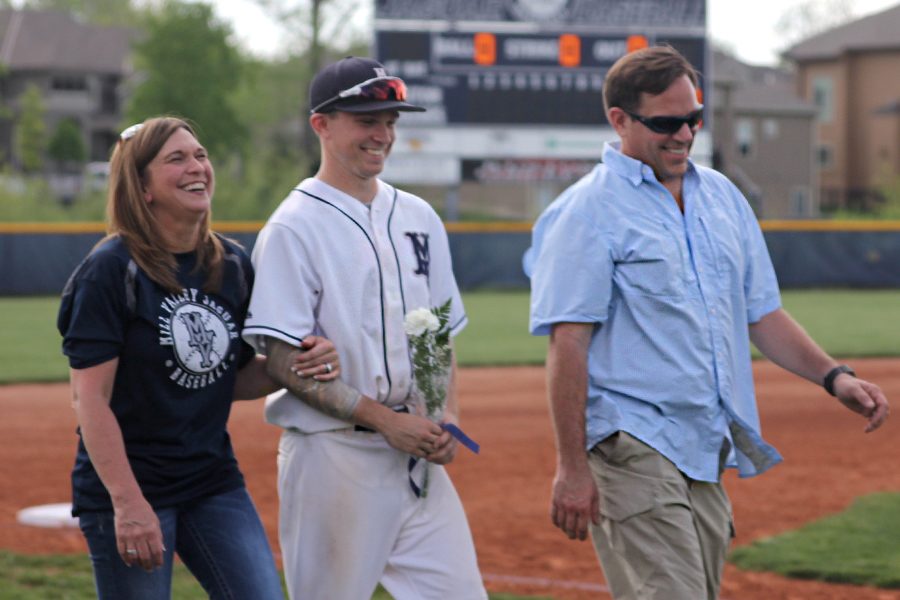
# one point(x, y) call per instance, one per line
point(444, 449)
point(862, 397)
point(575, 503)
point(409, 433)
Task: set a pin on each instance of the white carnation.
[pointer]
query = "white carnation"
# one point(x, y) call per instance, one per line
point(419, 321)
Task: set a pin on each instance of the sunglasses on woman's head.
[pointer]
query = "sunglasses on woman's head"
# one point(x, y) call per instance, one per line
point(379, 88)
point(669, 125)
point(130, 132)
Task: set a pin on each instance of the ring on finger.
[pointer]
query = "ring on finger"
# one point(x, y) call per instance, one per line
point(131, 552)
point(328, 368)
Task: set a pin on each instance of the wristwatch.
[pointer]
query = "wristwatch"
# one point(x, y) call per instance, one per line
point(828, 384)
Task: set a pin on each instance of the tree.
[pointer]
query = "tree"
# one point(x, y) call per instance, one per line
point(310, 22)
point(67, 146)
point(188, 67)
point(30, 131)
point(811, 17)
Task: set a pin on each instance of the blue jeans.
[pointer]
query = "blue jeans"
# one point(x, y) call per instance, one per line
point(219, 538)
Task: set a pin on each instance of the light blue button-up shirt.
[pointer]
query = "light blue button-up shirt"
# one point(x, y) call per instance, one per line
point(672, 295)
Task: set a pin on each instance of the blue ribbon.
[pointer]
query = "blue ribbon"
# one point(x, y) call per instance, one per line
point(413, 461)
point(462, 437)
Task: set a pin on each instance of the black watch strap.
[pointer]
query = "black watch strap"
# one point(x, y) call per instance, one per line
point(828, 384)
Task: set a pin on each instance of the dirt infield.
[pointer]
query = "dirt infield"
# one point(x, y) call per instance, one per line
point(828, 462)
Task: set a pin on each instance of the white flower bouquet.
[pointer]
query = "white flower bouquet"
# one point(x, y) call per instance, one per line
point(428, 332)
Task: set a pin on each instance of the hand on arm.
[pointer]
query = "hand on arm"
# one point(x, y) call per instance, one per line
point(783, 341)
point(319, 360)
point(575, 502)
point(138, 534)
point(405, 432)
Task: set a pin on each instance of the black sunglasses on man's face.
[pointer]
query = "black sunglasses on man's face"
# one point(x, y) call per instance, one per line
point(669, 125)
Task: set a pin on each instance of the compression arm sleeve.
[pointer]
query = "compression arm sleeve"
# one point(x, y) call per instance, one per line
point(334, 398)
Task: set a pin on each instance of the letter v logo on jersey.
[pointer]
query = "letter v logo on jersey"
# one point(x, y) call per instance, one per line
point(420, 249)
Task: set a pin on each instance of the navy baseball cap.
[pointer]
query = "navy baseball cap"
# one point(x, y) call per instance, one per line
point(355, 84)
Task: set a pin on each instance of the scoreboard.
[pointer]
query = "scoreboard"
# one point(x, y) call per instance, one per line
point(514, 88)
point(535, 62)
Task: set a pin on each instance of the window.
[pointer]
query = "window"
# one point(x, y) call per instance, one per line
point(800, 205)
point(745, 137)
point(825, 156)
point(823, 97)
point(109, 97)
point(69, 83)
point(770, 129)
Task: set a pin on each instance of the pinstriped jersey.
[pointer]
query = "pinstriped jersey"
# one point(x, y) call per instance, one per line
point(329, 265)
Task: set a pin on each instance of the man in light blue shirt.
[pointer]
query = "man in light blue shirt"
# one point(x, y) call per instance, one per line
point(651, 277)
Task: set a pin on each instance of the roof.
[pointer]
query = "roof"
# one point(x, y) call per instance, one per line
point(776, 98)
point(41, 40)
point(727, 68)
point(875, 32)
point(756, 89)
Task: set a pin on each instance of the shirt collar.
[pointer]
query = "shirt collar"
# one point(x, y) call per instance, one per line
point(381, 201)
point(632, 169)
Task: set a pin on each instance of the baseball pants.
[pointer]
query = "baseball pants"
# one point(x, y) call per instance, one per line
point(349, 520)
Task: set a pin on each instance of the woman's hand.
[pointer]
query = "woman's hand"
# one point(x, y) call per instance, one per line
point(318, 359)
point(138, 534)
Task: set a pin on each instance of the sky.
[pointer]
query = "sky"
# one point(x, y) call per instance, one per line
point(746, 26)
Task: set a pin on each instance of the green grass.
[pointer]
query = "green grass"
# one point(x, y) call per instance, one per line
point(847, 323)
point(859, 546)
point(29, 343)
point(69, 577)
point(497, 333)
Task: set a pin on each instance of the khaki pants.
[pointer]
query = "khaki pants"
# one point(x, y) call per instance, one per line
point(661, 535)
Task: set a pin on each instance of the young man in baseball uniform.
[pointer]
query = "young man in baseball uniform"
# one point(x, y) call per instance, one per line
point(347, 255)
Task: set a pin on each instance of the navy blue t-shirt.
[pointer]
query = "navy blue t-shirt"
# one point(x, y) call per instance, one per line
point(178, 356)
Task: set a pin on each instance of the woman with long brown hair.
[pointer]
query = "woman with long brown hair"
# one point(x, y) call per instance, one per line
point(151, 324)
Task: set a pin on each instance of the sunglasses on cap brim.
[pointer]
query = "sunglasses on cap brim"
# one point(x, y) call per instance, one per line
point(669, 125)
point(378, 89)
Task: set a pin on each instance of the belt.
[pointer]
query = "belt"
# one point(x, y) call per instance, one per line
point(400, 409)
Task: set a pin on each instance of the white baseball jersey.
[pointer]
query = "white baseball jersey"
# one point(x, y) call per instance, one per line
point(327, 264)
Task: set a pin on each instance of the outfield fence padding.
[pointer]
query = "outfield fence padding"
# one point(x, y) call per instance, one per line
point(36, 259)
